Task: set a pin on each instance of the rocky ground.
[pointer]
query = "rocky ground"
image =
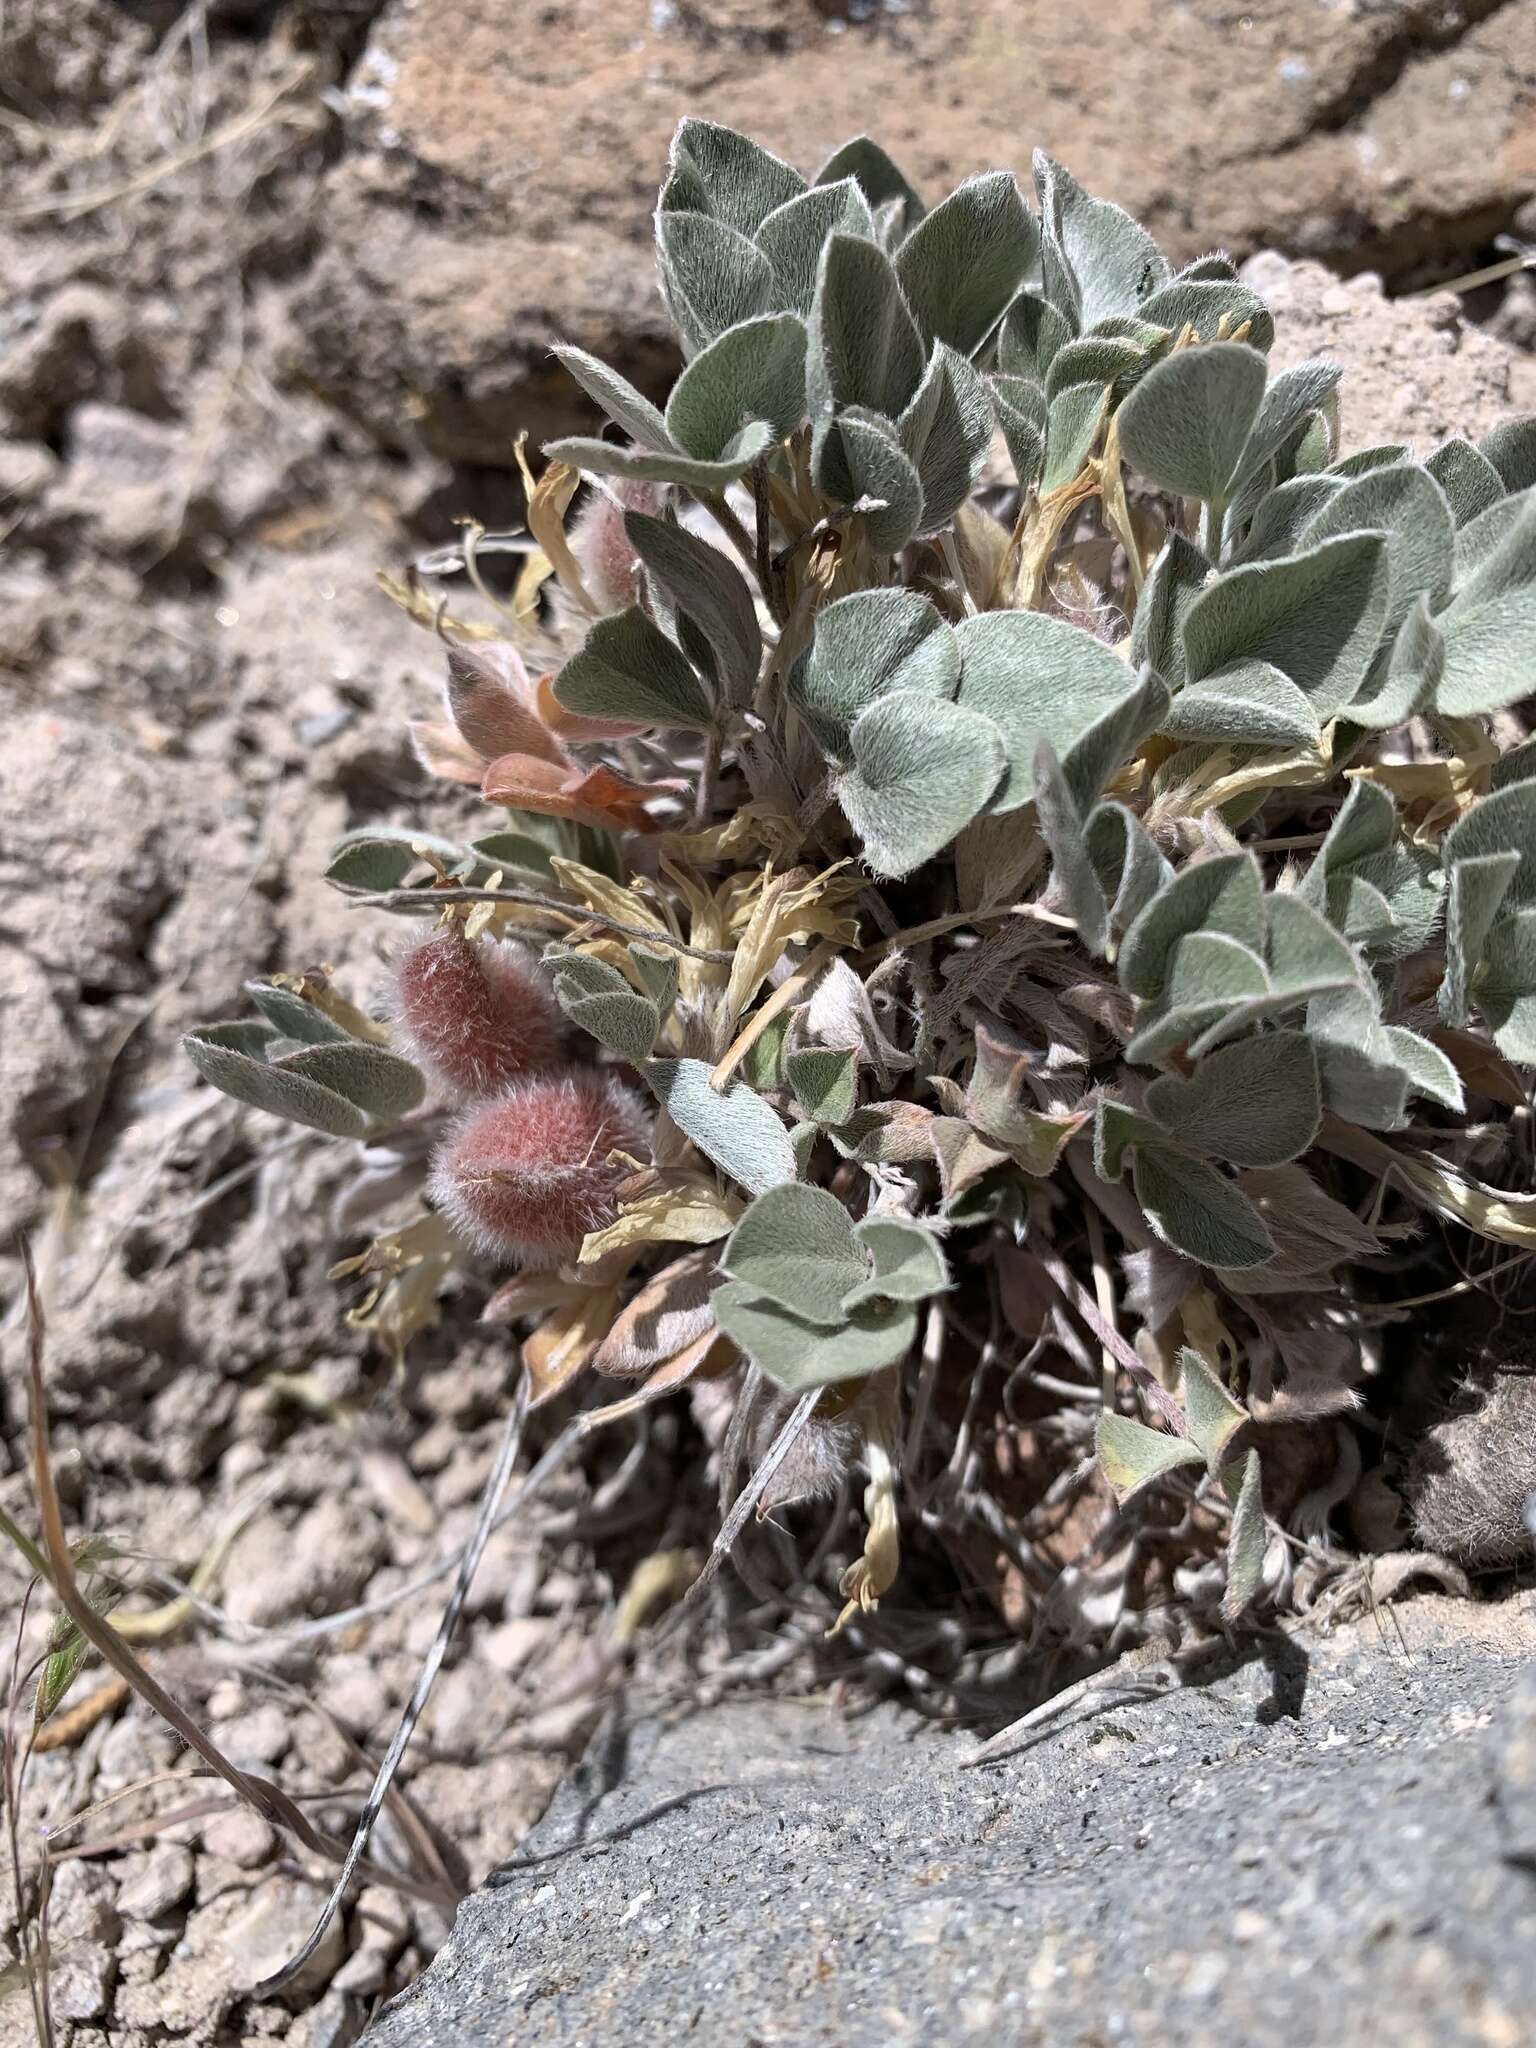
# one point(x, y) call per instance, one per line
point(280, 284)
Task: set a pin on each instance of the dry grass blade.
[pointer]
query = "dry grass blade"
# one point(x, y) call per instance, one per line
point(490, 1500)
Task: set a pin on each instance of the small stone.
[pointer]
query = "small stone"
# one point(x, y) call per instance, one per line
point(470, 1706)
point(334, 2023)
point(160, 1883)
point(82, 1904)
point(274, 1925)
point(80, 1983)
point(363, 1973)
point(242, 1838)
point(509, 1647)
point(380, 1920)
point(259, 1737)
point(354, 1692)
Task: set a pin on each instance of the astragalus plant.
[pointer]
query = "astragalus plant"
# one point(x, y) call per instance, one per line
point(1018, 914)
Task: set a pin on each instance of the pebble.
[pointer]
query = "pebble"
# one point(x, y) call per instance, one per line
point(80, 1983)
point(273, 1925)
point(159, 1884)
point(259, 1737)
point(240, 1837)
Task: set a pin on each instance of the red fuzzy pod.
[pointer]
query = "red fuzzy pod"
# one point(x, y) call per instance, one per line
point(476, 1014)
point(603, 550)
point(525, 1177)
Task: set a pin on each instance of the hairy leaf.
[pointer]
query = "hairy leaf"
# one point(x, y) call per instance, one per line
point(755, 371)
point(1187, 422)
point(795, 1246)
point(922, 769)
point(629, 669)
point(908, 1264)
point(736, 1128)
point(1198, 1211)
point(868, 646)
point(865, 346)
point(712, 277)
point(962, 265)
point(792, 236)
point(1132, 1456)
point(798, 1355)
point(1256, 1103)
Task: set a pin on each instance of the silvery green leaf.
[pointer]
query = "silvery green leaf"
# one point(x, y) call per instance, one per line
point(1405, 503)
point(796, 1355)
point(1114, 261)
point(712, 278)
point(1202, 302)
point(1364, 460)
point(1504, 822)
point(375, 857)
point(1303, 957)
point(1198, 1210)
point(528, 850)
point(1249, 704)
point(1404, 678)
point(754, 371)
point(1061, 827)
point(1132, 1456)
point(795, 1246)
point(825, 1080)
point(608, 458)
point(1480, 537)
point(225, 1054)
point(878, 178)
point(1108, 740)
point(865, 346)
point(1429, 1071)
point(625, 1022)
point(1365, 824)
point(1411, 883)
point(1037, 678)
point(378, 1082)
point(1301, 948)
point(1511, 448)
point(1256, 1103)
point(1247, 1543)
point(736, 1129)
point(1214, 1416)
point(1130, 868)
point(1217, 266)
point(1220, 895)
point(293, 1017)
point(1093, 359)
point(1518, 765)
point(1117, 1129)
point(706, 587)
point(961, 266)
point(741, 181)
point(1362, 1079)
point(629, 669)
point(1506, 987)
point(857, 456)
point(1187, 422)
point(792, 237)
point(1173, 583)
point(867, 646)
point(1283, 513)
point(1021, 413)
point(1212, 979)
point(658, 969)
point(1468, 479)
point(1291, 398)
point(1359, 910)
point(1072, 426)
point(584, 974)
point(617, 397)
point(1489, 627)
point(1030, 337)
point(922, 769)
point(909, 1265)
point(946, 431)
point(1317, 616)
point(1476, 888)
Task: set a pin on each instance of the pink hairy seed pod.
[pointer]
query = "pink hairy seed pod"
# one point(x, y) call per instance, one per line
point(475, 1014)
point(601, 546)
point(526, 1176)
